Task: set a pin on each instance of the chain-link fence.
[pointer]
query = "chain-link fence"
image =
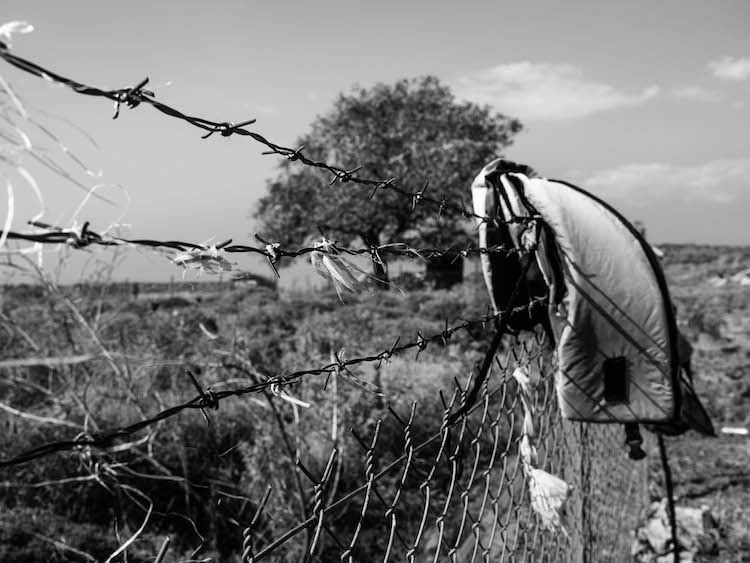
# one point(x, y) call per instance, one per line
point(460, 492)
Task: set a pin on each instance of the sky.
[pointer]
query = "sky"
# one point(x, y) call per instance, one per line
point(645, 103)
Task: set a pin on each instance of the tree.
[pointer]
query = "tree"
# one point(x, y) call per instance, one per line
point(414, 130)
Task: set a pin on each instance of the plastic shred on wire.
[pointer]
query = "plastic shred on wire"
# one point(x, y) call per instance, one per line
point(206, 259)
point(346, 375)
point(330, 264)
point(284, 395)
point(548, 493)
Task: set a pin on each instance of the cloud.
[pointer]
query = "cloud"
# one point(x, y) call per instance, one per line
point(730, 68)
point(537, 91)
point(266, 109)
point(258, 108)
point(716, 181)
point(696, 94)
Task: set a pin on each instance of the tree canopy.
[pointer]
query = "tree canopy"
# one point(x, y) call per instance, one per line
point(415, 131)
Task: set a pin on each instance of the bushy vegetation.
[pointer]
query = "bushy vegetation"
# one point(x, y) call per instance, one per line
point(204, 480)
point(199, 476)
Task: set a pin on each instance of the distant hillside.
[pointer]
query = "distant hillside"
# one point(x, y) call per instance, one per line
point(705, 254)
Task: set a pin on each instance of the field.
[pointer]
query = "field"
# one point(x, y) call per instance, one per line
point(116, 353)
point(715, 315)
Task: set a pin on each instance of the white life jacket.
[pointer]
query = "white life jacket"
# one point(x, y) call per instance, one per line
point(609, 307)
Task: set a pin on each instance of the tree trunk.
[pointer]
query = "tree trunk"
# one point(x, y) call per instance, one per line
point(445, 271)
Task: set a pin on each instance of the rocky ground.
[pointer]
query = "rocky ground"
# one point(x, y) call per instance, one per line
point(711, 475)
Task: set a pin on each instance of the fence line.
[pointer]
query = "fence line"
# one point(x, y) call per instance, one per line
point(458, 488)
point(461, 494)
point(205, 253)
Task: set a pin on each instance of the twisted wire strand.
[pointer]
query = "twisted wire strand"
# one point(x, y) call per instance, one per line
point(211, 399)
point(85, 237)
point(134, 96)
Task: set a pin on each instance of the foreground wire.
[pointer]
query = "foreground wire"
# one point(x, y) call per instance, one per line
point(211, 399)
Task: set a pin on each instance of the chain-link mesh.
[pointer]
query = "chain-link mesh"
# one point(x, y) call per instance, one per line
point(616, 493)
point(459, 493)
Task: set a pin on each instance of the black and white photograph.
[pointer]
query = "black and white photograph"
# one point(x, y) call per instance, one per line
point(425, 281)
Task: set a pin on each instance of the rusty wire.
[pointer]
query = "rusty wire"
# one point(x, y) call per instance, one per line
point(134, 96)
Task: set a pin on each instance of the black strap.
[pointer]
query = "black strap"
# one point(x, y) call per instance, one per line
point(484, 370)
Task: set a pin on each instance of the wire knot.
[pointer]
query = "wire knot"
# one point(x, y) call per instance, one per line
point(445, 336)
point(80, 238)
point(422, 343)
point(419, 195)
point(271, 253)
point(388, 354)
point(443, 205)
point(209, 400)
point(227, 128)
point(344, 176)
point(295, 155)
point(463, 253)
point(131, 97)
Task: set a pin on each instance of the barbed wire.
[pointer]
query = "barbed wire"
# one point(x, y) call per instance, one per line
point(210, 399)
point(83, 237)
point(134, 96)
